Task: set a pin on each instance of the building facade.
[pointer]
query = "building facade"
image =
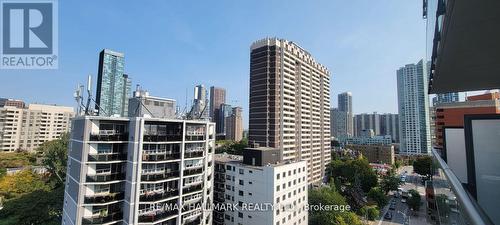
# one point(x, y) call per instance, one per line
point(290, 103)
point(445, 98)
point(139, 171)
point(234, 125)
point(375, 153)
point(144, 105)
point(413, 102)
point(452, 114)
point(259, 178)
point(113, 85)
point(366, 121)
point(345, 105)
point(225, 111)
point(28, 128)
point(389, 125)
point(374, 140)
point(200, 108)
point(339, 122)
point(12, 102)
point(217, 98)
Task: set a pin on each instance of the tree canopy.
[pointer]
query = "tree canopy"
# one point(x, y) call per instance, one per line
point(25, 181)
point(329, 196)
point(38, 207)
point(55, 157)
point(231, 147)
point(378, 196)
point(350, 170)
point(414, 200)
point(422, 165)
point(389, 182)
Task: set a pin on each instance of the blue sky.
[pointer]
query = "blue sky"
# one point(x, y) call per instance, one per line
point(170, 46)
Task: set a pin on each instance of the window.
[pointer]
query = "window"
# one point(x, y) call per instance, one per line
point(278, 188)
point(241, 182)
point(250, 193)
point(240, 215)
point(240, 193)
point(277, 176)
point(242, 171)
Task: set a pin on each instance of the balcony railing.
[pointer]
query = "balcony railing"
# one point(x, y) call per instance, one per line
point(193, 154)
point(193, 189)
point(189, 172)
point(195, 137)
point(107, 157)
point(109, 136)
point(160, 157)
point(467, 211)
point(157, 177)
point(103, 219)
point(98, 199)
point(106, 177)
point(155, 216)
point(158, 196)
point(162, 137)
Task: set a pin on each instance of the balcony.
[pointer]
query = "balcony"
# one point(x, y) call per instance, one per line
point(103, 219)
point(109, 135)
point(189, 172)
point(156, 216)
point(158, 196)
point(106, 177)
point(192, 198)
point(153, 157)
point(192, 189)
point(448, 201)
point(157, 177)
point(103, 198)
point(106, 157)
point(193, 154)
point(162, 137)
point(193, 222)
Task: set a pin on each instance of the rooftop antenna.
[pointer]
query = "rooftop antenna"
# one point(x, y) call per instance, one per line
point(89, 98)
point(78, 95)
point(89, 94)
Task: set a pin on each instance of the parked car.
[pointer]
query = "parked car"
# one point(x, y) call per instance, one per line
point(388, 216)
point(403, 200)
point(392, 206)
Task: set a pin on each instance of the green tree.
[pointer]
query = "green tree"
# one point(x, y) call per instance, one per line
point(390, 182)
point(17, 159)
point(414, 200)
point(422, 165)
point(369, 212)
point(329, 196)
point(378, 196)
point(38, 207)
point(348, 170)
point(22, 182)
point(55, 157)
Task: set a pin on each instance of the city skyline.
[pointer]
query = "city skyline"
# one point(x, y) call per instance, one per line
point(183, 53)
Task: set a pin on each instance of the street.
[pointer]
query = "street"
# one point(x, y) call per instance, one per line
point(401, 214)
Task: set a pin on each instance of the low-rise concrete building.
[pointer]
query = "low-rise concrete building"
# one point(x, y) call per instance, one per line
point(259, 178)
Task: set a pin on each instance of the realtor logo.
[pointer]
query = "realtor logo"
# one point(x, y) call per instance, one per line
point(29, 34)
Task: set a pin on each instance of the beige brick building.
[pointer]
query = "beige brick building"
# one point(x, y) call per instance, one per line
point(28, 128)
